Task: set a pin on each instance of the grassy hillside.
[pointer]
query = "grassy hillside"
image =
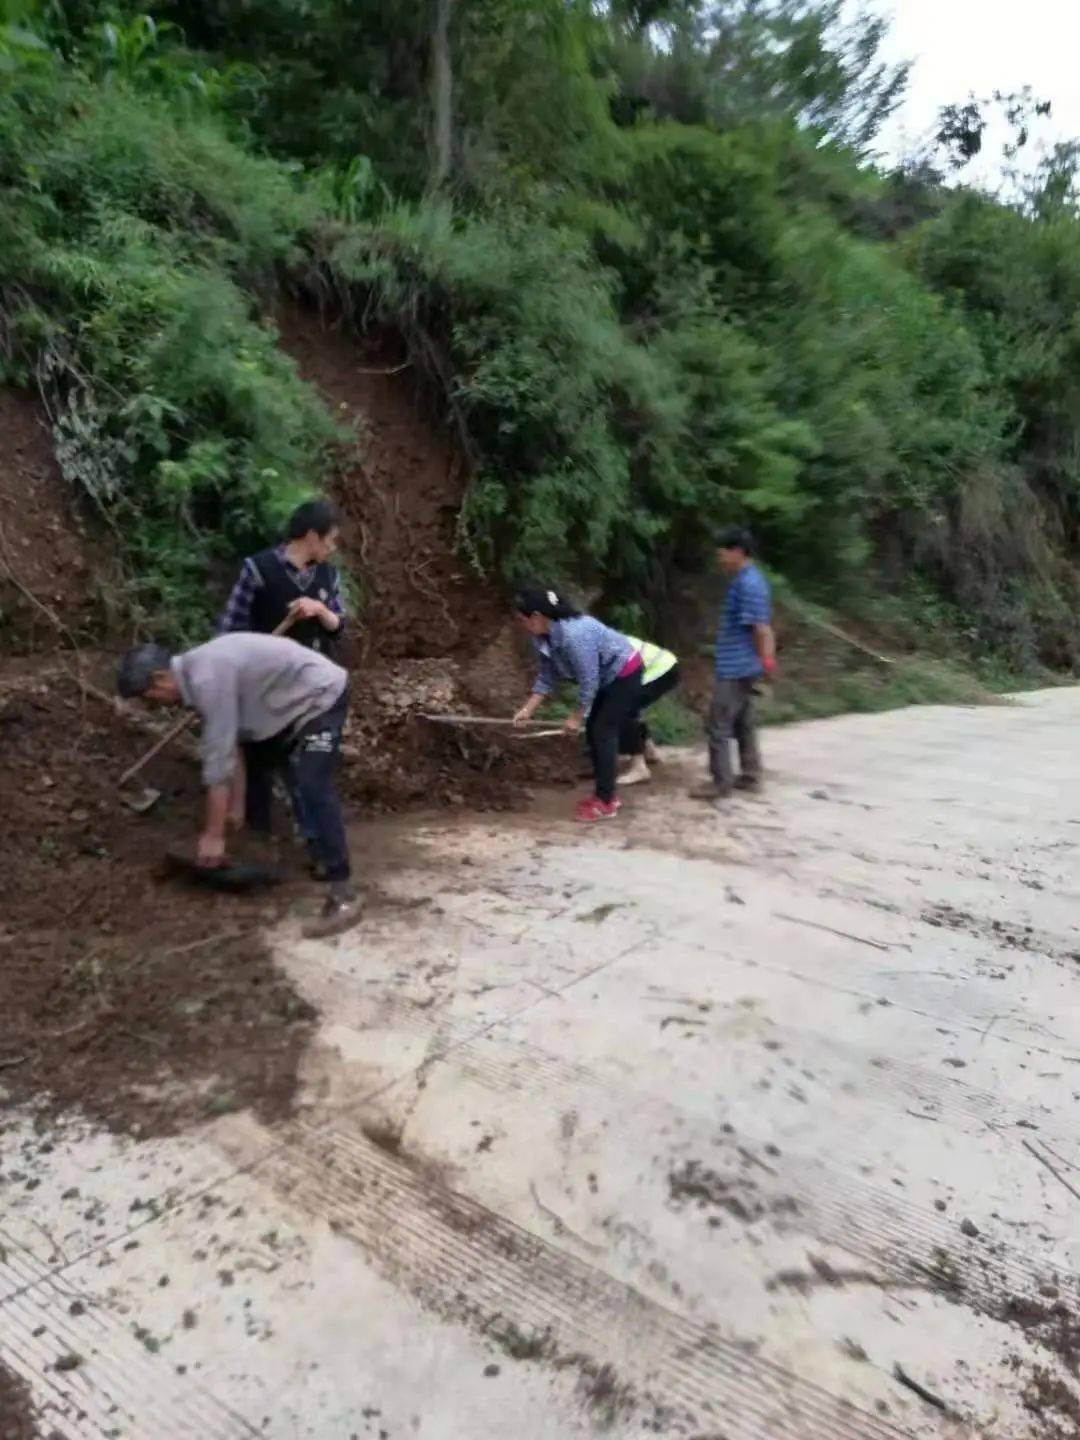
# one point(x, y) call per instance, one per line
point(642, 263)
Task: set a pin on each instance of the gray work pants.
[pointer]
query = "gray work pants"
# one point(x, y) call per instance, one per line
point(731, 717)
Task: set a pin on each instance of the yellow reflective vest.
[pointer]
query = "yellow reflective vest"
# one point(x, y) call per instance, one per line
point(656, 661)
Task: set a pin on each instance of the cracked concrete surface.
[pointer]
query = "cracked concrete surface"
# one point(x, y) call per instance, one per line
point(697, 1124)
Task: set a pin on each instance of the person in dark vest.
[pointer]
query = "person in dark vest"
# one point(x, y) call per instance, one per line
point(292, 580)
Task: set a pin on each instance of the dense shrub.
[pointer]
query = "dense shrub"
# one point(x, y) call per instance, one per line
point(127, 243)
point(639, 254)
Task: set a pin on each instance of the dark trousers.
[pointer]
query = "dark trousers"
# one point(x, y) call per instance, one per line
point(614, 705)
point(635, 732)
point(265, 761)
point(307, 759)
point(731, 717)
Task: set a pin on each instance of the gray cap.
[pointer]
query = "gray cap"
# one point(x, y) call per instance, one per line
point(138, 666)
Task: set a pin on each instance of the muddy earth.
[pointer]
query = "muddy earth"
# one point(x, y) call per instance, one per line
point(144, 1004)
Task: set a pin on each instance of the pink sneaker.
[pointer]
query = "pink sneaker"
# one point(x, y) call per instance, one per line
point(596, 809)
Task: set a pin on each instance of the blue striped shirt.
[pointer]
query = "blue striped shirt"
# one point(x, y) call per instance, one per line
point(584, 650)
point(748, 603)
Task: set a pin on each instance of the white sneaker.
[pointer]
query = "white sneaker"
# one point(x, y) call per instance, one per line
point(637, 773)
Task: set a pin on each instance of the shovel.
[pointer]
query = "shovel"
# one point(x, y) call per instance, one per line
point(145, 799)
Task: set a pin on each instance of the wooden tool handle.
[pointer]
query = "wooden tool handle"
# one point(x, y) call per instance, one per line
point(174, 730)
point(504, 720)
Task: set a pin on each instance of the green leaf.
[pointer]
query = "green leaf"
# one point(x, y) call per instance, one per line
point(24, 39)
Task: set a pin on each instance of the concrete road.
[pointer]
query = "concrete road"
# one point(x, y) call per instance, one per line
point(693, 1125)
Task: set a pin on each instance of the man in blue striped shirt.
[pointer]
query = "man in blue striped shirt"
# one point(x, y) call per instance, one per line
point(745, 651)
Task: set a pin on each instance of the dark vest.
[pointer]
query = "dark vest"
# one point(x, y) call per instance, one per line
point(277, 592)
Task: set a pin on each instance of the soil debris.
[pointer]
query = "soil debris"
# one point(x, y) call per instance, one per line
point(1057, 1406)
point(114, 998)
point(17, 1413)
point(47, 563)
point(913, 1385)
point(597, 916)
point(386, 1136)
point(821, 1273)
point(1055, 1327)
point(853, 1350)
point(148, 1008)
point(1014, 937)
point(604, 1394)
point(695, 1183)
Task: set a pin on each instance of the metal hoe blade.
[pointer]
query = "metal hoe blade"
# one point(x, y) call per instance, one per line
point(141, 801)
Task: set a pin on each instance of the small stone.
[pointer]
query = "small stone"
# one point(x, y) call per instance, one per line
point(490, 1371)
point(968, 1229)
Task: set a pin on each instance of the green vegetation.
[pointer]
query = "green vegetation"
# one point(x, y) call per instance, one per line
point(125, 234)
point(639, 249)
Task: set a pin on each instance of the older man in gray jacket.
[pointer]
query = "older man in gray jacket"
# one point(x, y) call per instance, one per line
point(246, 688)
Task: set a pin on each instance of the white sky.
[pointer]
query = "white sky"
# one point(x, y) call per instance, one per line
point(985, 45)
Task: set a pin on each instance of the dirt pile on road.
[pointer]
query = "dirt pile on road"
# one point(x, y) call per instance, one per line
point(143, 1004)
point(17, 1415)
point(430, 635)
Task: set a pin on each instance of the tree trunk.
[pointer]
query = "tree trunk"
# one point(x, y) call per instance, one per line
point(442, 94)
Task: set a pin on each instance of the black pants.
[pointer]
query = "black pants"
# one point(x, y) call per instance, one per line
point(265, 761)
point(635, 732)
point(614, 705)
point(307, 759)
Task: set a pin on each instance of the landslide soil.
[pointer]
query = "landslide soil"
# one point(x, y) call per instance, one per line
point(140, 1003)
point(143, 1004)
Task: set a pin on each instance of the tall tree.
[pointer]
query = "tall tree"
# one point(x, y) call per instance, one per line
point(726, 61)
point(442, 93)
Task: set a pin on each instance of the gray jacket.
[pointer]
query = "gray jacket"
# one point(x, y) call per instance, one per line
point(251, 687)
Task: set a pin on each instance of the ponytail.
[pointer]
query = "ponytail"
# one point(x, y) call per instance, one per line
point(533, 598)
